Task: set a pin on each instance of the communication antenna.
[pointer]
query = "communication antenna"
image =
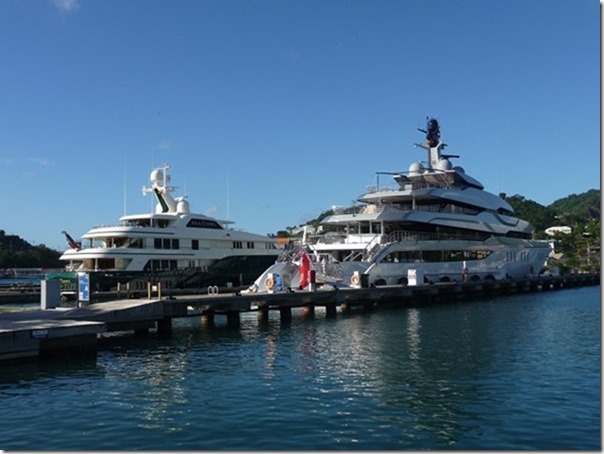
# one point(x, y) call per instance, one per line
point(498, 168)
point(228, 201)
point(125, 184)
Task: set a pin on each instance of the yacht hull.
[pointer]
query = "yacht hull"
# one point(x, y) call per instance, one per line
point(493, 259)
point(233, 271)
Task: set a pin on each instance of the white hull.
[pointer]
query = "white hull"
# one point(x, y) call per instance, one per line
point(508, 258)
point(172, 241)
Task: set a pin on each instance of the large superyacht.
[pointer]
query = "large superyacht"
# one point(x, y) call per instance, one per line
point(434, 221)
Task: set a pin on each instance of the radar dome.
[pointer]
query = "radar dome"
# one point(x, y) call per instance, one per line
point(157, 176)
point(443, 164)
point(183, 206)
point(415, 169)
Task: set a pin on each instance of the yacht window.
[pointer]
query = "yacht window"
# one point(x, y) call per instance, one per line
point(250, 245)
point(505, 212)
point(161, 265)
point(105, 264)
point(238, 244)
point(453, 256)
point(136, 244)
point(403, 257)
point(203, 224)
point(195, 244)
point(526, 236)
point(166, 243)
point(432, 256)
point(118, 242)
point(138, 223)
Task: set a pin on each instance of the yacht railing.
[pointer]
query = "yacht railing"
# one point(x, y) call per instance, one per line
point(405, 235)
point(373, 246)
point(433, 208)
point(409, 185)
point(373, 240)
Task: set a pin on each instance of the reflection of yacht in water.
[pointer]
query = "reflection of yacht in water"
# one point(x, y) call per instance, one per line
point(437, 221)
point(180, 248)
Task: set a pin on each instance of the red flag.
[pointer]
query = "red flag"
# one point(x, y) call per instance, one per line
point(73, 244)
point(304, 269)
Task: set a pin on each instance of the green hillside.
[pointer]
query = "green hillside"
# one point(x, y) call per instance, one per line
point(573, 210)
point(18, 253)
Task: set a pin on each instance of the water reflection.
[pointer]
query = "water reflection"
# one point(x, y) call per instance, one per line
point(411, 370)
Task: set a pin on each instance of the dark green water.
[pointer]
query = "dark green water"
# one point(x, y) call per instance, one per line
point(513, 373)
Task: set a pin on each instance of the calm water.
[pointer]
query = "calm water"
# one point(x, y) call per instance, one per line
point(519, 372)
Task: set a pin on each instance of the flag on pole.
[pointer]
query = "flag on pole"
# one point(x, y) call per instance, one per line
point(73, 244)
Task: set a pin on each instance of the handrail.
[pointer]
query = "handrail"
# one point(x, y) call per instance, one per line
point(404, 235)
point(432, 208)
point(392, 187)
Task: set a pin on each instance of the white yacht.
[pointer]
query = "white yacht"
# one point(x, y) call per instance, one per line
point(172, 245)
point(434, 223)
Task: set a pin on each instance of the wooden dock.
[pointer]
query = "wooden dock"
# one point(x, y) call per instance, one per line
point(33, 333)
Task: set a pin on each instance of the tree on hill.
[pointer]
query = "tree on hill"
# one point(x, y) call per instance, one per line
point(572, 210)
point(537, 215)
point(578, 208)
point(18, 253)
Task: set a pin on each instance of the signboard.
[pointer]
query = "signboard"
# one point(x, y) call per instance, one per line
point(411, 277)
point(83, 287)
point(415, 277)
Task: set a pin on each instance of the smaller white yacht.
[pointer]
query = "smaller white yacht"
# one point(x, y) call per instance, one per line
point(172, 245)
point(433, 223)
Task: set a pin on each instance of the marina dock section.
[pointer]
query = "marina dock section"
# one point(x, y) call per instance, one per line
point(41, 332)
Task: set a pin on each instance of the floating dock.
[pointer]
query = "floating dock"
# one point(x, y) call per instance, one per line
point(34, 333)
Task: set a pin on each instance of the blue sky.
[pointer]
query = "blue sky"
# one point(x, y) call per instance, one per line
point(270, 112)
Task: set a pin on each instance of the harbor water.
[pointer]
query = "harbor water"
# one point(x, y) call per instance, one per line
point(519, 372)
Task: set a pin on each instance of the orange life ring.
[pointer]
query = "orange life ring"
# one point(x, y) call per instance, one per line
point(269, 283)
point(355, 279)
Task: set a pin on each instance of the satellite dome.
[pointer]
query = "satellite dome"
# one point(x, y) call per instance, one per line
point(183, 206)
point(415, 168)
point(443, 164)
point(157, 176)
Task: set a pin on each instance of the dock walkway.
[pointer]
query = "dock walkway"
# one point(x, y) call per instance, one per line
point(32, 333)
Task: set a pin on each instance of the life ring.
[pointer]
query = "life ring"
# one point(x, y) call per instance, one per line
point(269, 283)
point(355, 279)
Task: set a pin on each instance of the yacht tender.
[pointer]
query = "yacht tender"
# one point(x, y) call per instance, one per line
point(437, 224)
point(171, 245)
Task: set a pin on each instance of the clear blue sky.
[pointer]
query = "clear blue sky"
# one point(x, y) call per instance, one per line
point(272, 111)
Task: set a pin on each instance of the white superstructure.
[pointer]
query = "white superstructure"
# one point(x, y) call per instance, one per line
point(171, 242)
point(436, 222)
